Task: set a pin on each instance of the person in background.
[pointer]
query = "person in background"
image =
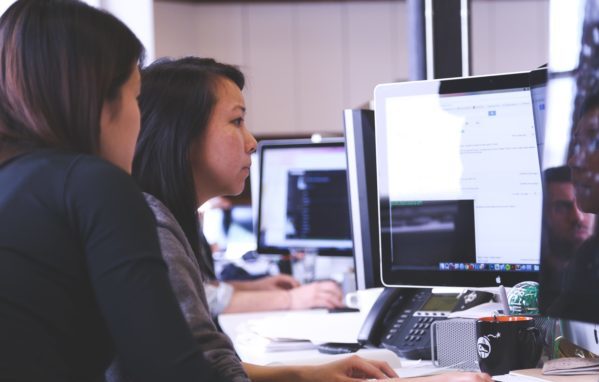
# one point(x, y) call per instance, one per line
point(568, 227)
point(194, 145)
point(570, 296)
point(580, 272)
point(81, 274)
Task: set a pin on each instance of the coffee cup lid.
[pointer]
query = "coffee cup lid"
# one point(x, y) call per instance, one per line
point(505, 319)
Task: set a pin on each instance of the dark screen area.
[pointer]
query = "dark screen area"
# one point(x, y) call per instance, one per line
point(432, 232)
point(317, 205)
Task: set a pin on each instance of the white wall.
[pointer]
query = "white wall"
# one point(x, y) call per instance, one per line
point(306, 62)
point(4, 4)
point(138, 15)
point(509, 35)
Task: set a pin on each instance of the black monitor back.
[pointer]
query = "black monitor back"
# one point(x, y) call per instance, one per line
point(363, 195)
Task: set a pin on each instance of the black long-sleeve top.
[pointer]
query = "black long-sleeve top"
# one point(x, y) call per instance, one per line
point(82, 278)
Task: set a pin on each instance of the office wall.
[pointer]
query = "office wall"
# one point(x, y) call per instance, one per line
point(306, 62)
point(509, 35)
point(137, 14)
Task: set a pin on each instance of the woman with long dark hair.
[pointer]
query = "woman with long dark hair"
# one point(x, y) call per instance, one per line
point(193, 163)
point(194, 145)
point(81, 274)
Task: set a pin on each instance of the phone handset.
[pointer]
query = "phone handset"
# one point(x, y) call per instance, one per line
point(372, 329)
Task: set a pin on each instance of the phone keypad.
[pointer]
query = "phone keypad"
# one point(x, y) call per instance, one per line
point(410, 332)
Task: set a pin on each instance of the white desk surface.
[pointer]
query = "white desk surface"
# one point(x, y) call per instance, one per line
point(250, 350)
point(251, 347)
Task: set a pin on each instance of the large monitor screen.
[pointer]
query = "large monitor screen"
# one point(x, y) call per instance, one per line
point(303, 197)
point(459, 181)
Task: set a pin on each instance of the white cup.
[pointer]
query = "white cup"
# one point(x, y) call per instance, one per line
point(362, 299)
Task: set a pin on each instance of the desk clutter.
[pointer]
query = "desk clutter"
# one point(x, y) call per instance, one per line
point(315, 326)
point(460, 340)
point(536, 375)
point(571, 366)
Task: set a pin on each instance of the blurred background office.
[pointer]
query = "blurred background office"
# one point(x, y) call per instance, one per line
point(306, 61)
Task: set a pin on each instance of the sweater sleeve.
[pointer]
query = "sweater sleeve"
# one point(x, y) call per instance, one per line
point(219, 296)
point(128, 275)
point(185, 277)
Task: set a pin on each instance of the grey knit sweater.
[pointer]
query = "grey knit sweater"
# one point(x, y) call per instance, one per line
point(187, 282)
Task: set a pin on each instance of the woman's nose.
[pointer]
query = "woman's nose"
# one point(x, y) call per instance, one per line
point(251, 142)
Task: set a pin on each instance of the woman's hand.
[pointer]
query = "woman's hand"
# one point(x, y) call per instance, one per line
point(320, 294)
point(350, 369)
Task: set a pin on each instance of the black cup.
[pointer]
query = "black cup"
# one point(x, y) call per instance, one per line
point(507, 343)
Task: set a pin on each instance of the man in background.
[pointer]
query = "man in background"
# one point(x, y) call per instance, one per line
point(567, 226)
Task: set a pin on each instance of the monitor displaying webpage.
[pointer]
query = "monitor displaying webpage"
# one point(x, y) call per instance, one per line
point(464, 181)
point(304, 199)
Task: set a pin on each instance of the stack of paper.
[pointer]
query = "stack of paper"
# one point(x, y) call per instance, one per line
point(571, 366)
point(315, 327)
point(259, 343)
point(536, 375)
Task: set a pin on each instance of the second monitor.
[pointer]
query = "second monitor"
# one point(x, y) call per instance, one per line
point(459, 181)
point(303, 199)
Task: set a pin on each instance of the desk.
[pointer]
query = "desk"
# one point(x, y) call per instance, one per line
point(237, 327)
point(251, 348)
point(247, 345)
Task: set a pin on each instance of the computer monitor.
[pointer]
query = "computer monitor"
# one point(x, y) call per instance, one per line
point(303, 199)
point(572, 134)
point(459, 182)
point(363, 195)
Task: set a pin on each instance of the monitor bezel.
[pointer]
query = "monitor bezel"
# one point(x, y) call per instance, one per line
point(266, 145)
point(436, 278)
point(361, 182)
point(538, 78)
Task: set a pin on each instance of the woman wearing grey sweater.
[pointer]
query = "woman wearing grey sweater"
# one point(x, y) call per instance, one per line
point(193, 146)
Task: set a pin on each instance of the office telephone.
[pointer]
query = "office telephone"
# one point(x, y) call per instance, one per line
point(401, 318)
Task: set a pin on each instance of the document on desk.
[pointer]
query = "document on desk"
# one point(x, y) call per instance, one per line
point(536, 375)
point(373, 354)
point(316, 327)
point(571, 366)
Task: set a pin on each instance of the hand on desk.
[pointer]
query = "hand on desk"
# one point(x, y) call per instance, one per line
point(282, 292)
point(450, 377)
point(350, 369)
point(319, 294)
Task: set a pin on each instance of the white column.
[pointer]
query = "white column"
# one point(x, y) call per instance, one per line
point(93, 3)
point(137, 15)
point(4, 4)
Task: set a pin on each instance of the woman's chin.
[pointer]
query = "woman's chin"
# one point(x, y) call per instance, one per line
point(235, 191)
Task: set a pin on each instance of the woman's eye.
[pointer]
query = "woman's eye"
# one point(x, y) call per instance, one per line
point(238, 121)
